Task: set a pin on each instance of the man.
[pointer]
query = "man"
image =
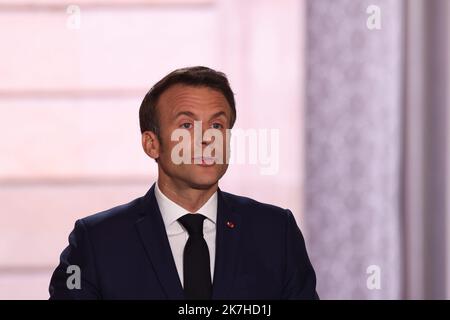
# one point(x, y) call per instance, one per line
point(186, 239)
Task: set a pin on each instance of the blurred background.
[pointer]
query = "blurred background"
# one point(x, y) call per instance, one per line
point(359, 91)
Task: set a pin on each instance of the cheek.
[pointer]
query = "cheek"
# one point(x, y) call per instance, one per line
point(176, 149)
point(166, 143)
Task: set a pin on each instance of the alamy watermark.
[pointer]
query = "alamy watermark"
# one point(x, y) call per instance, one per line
point(244, 146)
point(74, 280)
point(373, 21)
point(73, 21)
point(373, 281)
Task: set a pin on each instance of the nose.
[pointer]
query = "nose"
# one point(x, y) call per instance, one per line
point(205, 142)
point(199, 135)
point(201, 140)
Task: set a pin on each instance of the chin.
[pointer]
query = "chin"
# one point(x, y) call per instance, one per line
point(201, 186)
point(204, 183)
point(205, 180)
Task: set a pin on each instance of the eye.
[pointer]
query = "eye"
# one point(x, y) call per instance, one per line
point(186, 125)
point(217, 126)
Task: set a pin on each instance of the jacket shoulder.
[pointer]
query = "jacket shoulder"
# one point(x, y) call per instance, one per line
point(118, 215)
point(251, 207)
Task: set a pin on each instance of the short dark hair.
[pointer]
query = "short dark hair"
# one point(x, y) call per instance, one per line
point(191, 76)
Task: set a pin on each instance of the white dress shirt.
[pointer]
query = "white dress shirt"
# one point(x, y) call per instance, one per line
point(178, 235)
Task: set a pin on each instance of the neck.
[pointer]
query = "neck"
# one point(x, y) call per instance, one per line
point(187, 197)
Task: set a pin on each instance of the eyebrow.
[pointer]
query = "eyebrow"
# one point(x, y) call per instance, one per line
point(218, 114)
point(184, 113)
point(192, 115)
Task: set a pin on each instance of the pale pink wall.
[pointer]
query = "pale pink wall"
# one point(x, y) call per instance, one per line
point(70, 142)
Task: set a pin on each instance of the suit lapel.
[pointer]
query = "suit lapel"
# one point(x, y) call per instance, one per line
point(228, 230)
point(154, 238)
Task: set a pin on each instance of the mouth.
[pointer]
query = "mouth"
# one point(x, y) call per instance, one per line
point(204, 161)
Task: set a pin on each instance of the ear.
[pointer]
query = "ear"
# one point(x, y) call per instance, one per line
point(150, 144)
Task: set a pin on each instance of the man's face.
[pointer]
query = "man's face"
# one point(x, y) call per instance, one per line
point(178, 107)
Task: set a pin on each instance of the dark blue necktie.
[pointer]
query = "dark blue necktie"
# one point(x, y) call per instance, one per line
point(196, 265)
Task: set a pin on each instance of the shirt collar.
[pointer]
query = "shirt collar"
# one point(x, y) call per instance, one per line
point(171, 211)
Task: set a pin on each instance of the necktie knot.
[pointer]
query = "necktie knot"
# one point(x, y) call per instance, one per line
point(193, 222)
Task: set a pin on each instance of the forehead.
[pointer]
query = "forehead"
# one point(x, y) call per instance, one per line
point(179, 97)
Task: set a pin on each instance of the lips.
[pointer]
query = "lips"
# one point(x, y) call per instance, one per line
point(204, 161)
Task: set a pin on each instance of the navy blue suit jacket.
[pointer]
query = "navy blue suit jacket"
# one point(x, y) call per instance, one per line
point(124, 253)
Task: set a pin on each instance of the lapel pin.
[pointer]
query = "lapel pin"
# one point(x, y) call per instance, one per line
point(230, 224)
